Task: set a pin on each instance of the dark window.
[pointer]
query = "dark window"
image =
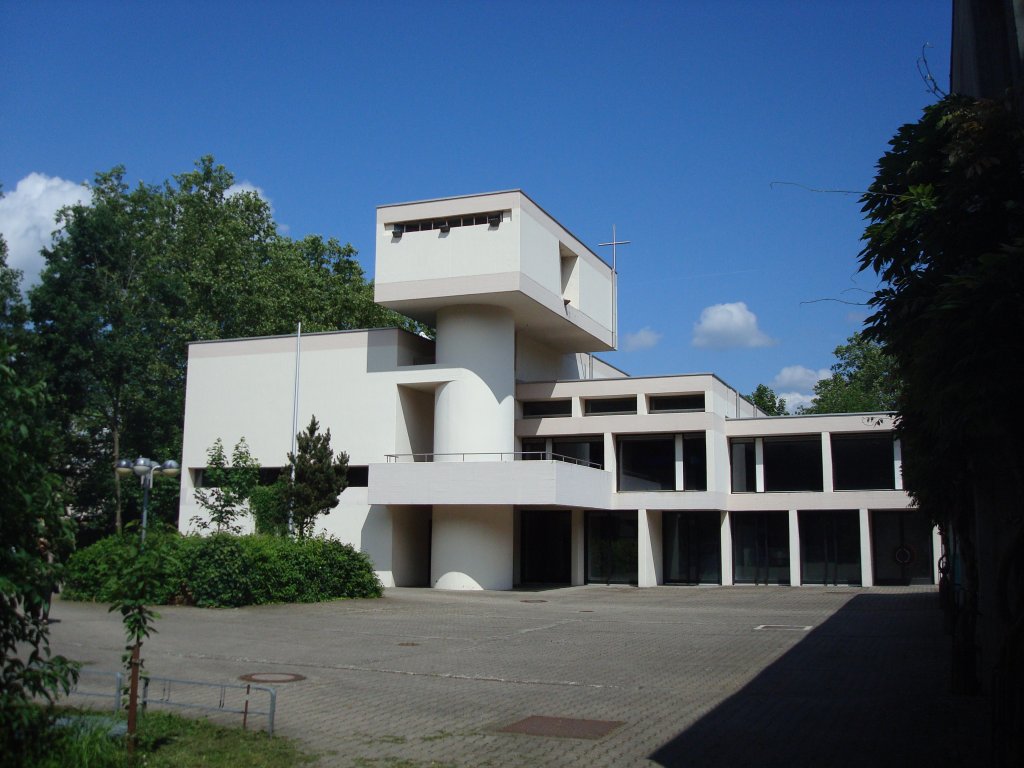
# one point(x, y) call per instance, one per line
point(358, 476)
point(587, 450)
point(695, 463)
point(609, 405)
point(676, 403)
point(533, 450)
point(270, 475)
point(538, 409)
point(647, 463)
point(425, 225)
point(863, 462)
point(792, 463)
point(741, 455)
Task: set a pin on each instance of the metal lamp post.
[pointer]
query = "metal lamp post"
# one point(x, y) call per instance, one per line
point(145, 470)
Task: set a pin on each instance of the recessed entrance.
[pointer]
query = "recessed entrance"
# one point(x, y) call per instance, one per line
point(545, 546)
point(902, 547)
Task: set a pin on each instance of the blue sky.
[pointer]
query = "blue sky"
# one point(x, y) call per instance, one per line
point(669, 120)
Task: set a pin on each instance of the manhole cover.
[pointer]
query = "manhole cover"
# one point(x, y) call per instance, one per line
point(785, 627)
point(272, 677)
point(562, 727)
point(533, 601)
point(408, 645)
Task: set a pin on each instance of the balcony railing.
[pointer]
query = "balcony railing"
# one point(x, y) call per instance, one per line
point(399, 458)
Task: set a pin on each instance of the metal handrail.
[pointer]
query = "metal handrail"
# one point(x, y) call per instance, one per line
point(397, 458)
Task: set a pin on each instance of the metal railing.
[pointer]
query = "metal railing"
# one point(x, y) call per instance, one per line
point(171, 693)
point(399, 458)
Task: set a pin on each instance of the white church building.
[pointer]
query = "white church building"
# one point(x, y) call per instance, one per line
point(505, 453)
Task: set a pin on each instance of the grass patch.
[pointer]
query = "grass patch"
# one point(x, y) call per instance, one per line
point(169, 741)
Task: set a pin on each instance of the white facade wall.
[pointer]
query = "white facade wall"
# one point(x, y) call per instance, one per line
point(518, 309)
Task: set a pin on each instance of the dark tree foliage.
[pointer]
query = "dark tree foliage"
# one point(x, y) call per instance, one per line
point(863, 379)
point(136, 275)
point(319, 478)
point(35, 540)
point(764, 397)
point(946, 235)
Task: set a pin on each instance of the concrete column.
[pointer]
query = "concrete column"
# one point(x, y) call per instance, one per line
point(867, 563)
point(475, 412)
point(680, 479)
point(897, 462)
point(794, 548)
point(759, 464)
point(610, 459)
point(936, 553)
point(641, 405)
point(578, 562)
point(649, 548)
point(826, 462)
point(726, 530)
point(472, 547)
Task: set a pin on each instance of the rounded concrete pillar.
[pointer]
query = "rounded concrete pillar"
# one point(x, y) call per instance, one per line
point(471, 547)
point(475, 412)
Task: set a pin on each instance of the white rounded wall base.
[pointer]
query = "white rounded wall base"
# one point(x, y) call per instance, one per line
point(471, 547)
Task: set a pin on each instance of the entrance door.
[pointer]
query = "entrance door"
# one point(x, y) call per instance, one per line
point(902, 547)
point(830, 547)
point(760, 543)
point(692, 543)
point(545, 546)
point(611, 543)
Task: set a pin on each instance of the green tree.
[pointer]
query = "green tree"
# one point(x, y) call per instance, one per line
point(315, 478)
point(863, 379)
point(227, 486)
point(137, 274)
point(764, 397)
point(35, 540)
point(946, 236)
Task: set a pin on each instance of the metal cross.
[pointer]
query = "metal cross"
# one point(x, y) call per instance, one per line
point(614, 242)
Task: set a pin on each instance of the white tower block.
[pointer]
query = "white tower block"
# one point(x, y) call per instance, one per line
point(505, 285)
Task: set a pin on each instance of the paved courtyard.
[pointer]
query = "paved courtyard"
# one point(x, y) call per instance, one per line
point(427, 678)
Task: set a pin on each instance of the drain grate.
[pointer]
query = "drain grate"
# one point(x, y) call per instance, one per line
point(562, 727)
point(533, 601)
point(785, 627)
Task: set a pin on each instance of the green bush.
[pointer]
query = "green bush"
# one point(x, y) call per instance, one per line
point(229, 571)
point(93, 573)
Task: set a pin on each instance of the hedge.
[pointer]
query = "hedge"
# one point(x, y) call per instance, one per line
point(227, 571)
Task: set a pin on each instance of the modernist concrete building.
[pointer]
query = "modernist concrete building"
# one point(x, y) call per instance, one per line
point(505, 453)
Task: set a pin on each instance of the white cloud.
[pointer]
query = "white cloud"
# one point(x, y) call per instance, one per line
point(645, 338)
point(799, 378)
point(26, 219)
point(725, 326)
point(795, 399)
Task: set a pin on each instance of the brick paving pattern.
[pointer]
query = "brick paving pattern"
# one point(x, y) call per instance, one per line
point(428, 678)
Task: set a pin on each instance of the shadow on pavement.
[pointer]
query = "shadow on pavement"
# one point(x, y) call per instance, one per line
point(867, 688)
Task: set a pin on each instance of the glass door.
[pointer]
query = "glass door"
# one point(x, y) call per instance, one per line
point(611, 543)
point(902, 547)
point(830, 547)
point(692, 543)
point(760, 542)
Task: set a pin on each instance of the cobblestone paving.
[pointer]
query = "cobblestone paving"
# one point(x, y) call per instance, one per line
point(426, 678)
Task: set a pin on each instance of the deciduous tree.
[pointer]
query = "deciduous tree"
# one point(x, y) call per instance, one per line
point(863, 379)
point(764, 397)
